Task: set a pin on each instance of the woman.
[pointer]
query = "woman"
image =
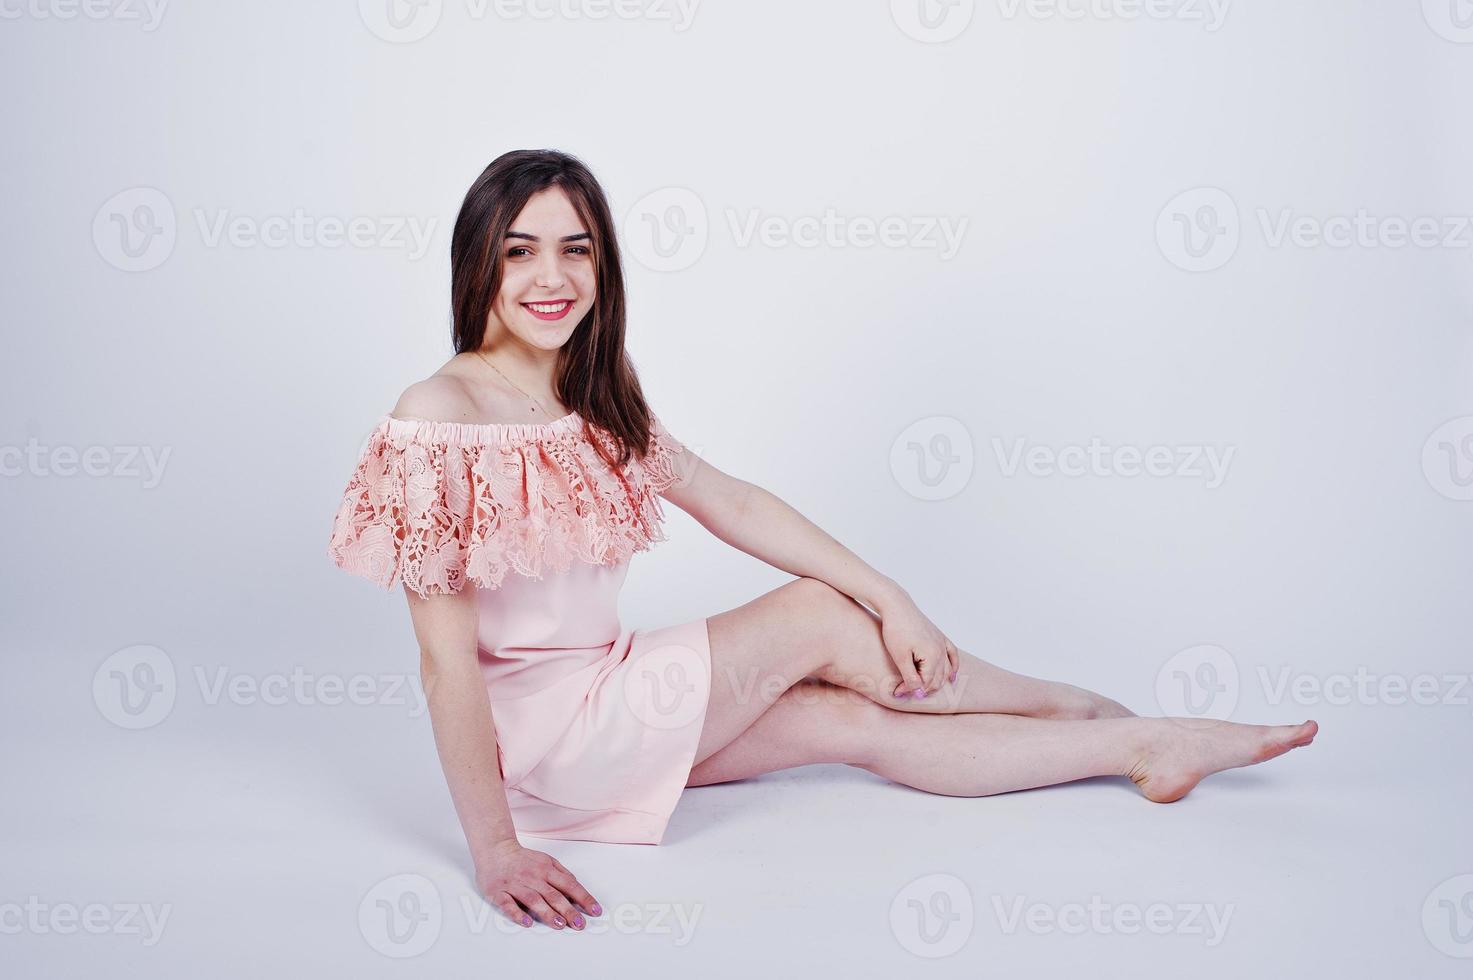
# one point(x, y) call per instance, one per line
point(530, 468)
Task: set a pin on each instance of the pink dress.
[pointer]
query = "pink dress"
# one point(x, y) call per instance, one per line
point(596, 725)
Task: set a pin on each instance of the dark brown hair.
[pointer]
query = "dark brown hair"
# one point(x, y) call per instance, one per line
point(594, 376)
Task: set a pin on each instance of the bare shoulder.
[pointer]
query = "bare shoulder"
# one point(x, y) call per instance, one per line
point(442, 397)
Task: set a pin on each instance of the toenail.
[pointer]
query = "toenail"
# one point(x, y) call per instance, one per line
point(920, 693)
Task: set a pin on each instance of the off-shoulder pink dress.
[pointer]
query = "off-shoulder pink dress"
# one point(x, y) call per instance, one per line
point(596, 724)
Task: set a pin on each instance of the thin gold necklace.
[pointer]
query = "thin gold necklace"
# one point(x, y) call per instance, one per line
point(535, 403)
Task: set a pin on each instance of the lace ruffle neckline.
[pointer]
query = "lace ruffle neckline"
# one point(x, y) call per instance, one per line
point(479, 433)
point(439, 504)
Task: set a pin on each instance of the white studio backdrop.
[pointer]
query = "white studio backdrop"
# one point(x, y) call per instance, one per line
point(1135, 339)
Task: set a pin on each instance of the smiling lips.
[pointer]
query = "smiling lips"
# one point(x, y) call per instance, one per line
point(555, 310)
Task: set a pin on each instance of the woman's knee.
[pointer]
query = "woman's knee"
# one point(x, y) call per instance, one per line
point(838, 724)
point(810, 722)
point(834, 621)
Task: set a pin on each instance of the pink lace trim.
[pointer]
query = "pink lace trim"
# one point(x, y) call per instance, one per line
point(443, 503)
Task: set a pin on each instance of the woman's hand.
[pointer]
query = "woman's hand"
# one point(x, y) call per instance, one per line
point(922, 653)
point(512, 873)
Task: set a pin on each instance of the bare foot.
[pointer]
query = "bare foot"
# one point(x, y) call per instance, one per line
point(1178, 752)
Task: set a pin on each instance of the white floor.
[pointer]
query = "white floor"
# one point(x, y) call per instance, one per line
point(275, 840)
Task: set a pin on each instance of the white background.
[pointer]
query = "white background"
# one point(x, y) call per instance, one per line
point(1073, 142)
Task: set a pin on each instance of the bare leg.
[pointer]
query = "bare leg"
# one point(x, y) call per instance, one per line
point(979, 754)
point(807, 629)
point(861, 663)
point(1165, 757)
point(979, 686)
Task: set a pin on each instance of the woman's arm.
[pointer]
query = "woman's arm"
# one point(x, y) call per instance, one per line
point(760, 523)
point(756, 521)
point(460, 713)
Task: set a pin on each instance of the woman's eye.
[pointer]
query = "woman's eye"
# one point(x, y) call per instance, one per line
point(515, 252)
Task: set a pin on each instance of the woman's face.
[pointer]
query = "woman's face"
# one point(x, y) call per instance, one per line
point(547, 279)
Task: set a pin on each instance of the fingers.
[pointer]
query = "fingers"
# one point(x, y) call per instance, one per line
point(510, 909)
point(573, 888)
point(565, 913)
point(910, 679)
point(927, 671)
point(539, 908)
point(933, 668)
point(551, 894)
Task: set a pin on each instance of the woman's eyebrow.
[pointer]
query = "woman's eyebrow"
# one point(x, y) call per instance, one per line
point(533, 238)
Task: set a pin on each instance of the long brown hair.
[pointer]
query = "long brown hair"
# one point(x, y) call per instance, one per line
point(593, 376)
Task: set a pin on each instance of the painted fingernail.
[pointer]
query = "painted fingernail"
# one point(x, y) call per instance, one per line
point(953, 677)
point(597, 909)
point(920, 693)
point(578, 921)
point(526, 921)
point(559, 920)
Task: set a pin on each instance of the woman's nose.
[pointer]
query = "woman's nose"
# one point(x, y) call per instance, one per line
point(550, 274)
